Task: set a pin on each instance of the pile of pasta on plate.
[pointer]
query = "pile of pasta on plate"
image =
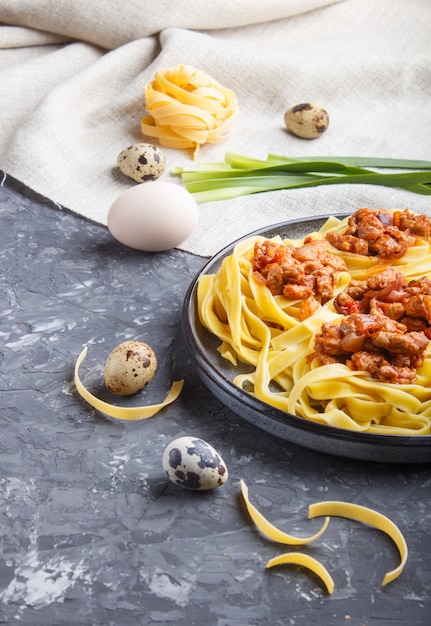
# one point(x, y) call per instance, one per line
point(336, 325)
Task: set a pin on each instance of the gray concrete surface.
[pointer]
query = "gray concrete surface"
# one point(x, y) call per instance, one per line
point(92, 532)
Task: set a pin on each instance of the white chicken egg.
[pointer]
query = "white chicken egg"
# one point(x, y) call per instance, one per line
point(153, 216)
point(194, 464)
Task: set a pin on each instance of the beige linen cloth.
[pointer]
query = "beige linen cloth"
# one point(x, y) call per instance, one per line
point(72, 78)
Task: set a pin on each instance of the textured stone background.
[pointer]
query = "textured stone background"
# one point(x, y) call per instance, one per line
point(92, 533)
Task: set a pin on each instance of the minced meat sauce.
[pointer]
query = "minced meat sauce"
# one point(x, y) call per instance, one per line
point(381, 233)
point(306, 273)
point(387, 323)
point(386, 328)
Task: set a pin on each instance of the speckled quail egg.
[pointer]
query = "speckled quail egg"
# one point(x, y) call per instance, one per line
point(130, 366)
point(194, 464)
point(307, 120)
point(142, 162)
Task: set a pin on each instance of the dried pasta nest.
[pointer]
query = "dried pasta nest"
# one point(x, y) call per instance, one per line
point(187, 108)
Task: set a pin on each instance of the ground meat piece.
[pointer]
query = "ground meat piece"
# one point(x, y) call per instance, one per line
point(292, 271)
point(347, 243)
point(380, 232)
point(382, 280)
point(387, 247)
point(308, 306)
point(327, 342)
point(368, 324)
point(418, 306)
point(297, 292)
point(268, 252)
point(386, 285)
point(402, 236)
point(394, 310)
point(357, 288)
point(374, 343)
point(278, 275)
point(274, 278)
point(366, 361)
point(335, 262)
point(324, 283)
point(310, 250)
point(299, 273)
point(345, 304)
point(381, 369)
point(359, 324)
point(408, 344)
point(414, 323)
point(367, 225)
point(421, 286)
point(351, 343)
point(419, 225)
point(397, 375)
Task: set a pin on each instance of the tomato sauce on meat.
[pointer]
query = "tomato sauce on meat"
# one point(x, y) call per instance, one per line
point(387, 321)
point(386, 329)
point(379, 232)
point(391, 345)
point(307, 272)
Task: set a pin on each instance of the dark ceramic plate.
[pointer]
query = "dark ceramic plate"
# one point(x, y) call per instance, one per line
point(218, 374)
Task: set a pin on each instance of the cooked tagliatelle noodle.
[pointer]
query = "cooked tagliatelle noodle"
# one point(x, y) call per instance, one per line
point(123, 413)
point(187, 108)
point(274, 335)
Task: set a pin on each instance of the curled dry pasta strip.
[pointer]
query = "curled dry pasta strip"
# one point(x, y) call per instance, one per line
point(328, 509)
point(367, 516)
point(305, 560)
point(123, 413)
point(271, 531)
point(281, 537)
point(187, 108)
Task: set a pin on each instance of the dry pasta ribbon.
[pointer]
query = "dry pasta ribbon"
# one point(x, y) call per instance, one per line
point(123, 413)
point(307, 561)
point(187, 108)
point(271, 531)
point(367, 516)
point(328, 509)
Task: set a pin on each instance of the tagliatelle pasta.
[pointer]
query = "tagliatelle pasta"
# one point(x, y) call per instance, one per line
point(305, 560)
point(296, 558)
point(367, 516)
point(329, 509)
point(123, 413)
point(187, 108)
point(270, 530)
point(270, 334)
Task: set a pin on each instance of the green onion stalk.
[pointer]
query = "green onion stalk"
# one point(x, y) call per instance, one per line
point(240, 175)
